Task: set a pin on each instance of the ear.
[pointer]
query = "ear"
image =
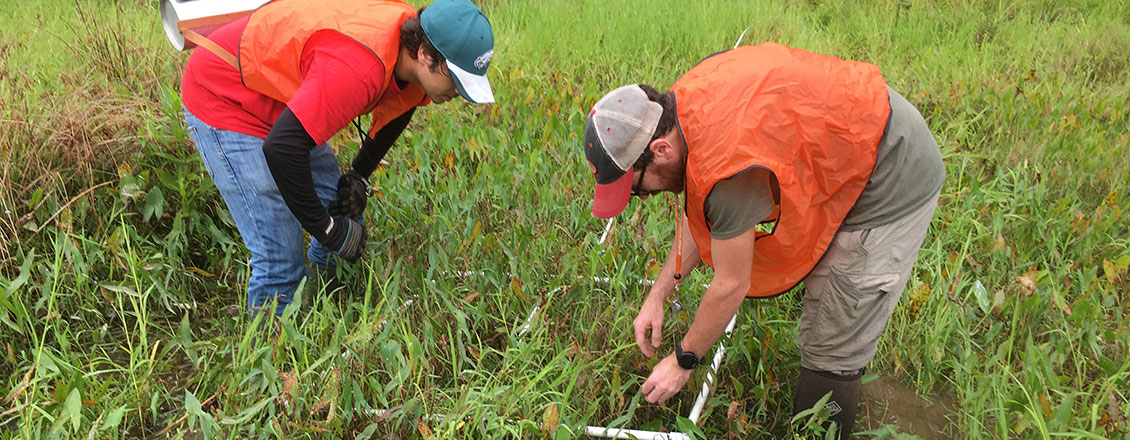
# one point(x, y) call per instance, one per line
point(663, 149)
point(423, 56)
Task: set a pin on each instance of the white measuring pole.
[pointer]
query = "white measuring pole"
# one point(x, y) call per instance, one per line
point(606, 228)
point(601, 431)
point(700, 402)
point(604, 431)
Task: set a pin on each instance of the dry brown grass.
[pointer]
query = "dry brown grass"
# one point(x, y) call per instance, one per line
point(66, 131)
point(70, 141)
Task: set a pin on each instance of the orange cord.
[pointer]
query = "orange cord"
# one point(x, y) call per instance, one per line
point(676, 304)
point(678, 245)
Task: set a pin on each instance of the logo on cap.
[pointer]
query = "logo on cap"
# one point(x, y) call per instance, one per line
point(484, 59)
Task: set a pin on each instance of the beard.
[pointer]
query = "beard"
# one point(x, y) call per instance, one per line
point(672, 177)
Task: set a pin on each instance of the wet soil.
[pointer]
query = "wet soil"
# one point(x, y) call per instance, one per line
point(885, 401)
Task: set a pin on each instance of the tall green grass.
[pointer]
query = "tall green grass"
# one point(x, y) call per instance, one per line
point(121, 275)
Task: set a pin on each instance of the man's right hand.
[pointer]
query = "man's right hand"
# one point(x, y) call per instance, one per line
point(650, 319)
point(345, 237)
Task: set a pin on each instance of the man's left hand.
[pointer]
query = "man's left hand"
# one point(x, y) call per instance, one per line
point(666, 379)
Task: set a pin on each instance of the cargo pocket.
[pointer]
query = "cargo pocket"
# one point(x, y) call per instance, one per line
point(859, 290)
point(850, 314)
point(848, 253)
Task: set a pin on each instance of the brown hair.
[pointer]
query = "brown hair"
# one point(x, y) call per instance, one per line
point(666, 120)
point(412, 37)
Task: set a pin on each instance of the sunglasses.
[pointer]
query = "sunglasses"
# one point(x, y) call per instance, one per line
point(636, 191)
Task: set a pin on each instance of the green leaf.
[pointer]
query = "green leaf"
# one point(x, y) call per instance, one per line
point(47, 365)
point(131, 189)
point(245, 416)
point(367, 432)
point(686, 426)
point(73, 408)
point(119, 289)
point(629, 414)
point(191, 403)
point(982, 296)
point(206, 422)
point(114, 419)
point(36, 196)
point(1123, 262)
point(25, 272)
point(154, 204)
point(1108, 365)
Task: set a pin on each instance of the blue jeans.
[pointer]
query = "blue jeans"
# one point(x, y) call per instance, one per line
point(270, 231)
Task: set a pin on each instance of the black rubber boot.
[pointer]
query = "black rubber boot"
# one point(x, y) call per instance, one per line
point(844, 404)
point(322, 281)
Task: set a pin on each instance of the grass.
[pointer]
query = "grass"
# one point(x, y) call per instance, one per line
point(122, 275)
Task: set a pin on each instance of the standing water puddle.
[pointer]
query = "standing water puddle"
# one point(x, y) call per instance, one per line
point(885, 401)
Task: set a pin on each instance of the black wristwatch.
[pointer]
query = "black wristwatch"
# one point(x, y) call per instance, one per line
point(688, 360)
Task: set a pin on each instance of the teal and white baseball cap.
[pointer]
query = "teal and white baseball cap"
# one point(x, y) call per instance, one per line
point(460, 31)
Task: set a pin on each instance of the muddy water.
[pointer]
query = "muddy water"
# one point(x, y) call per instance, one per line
point(885, 401)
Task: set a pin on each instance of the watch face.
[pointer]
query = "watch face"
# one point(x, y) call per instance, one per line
point(686, 359)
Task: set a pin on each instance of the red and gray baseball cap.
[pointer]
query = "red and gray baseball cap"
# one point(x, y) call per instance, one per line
point(619, 128)
point(460, 31)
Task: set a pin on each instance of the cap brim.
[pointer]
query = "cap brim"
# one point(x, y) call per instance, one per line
point(609, 200)
point(474, 88)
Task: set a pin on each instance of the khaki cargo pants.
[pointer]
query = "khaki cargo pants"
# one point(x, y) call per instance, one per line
point(850, 295)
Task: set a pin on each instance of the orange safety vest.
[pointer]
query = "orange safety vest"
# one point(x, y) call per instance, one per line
point(813, 120)
point(270, 49)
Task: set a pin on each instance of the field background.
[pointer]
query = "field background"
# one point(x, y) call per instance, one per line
point(122, 276)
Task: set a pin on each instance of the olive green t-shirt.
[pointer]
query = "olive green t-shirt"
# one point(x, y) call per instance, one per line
point(908, 172)
point(739, 203)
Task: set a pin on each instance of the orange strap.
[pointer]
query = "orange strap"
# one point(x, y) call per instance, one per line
point(679, 251)
point(186, 28)
point(204, 42)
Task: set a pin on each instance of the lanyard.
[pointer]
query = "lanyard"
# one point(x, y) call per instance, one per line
point(679, 252)
point(676, 306)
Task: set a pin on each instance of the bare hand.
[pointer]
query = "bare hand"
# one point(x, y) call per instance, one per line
point(650, 319)
point(665, 381)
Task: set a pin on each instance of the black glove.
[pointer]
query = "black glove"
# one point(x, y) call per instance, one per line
point(352, 194)
point(345, 237)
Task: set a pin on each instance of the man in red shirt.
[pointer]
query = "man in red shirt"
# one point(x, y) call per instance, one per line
point(305, 69)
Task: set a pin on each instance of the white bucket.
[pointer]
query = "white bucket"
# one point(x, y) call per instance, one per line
point(201, 16)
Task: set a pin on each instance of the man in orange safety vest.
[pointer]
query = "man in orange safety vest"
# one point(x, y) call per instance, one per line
point(796, 167)
point(272, 88)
